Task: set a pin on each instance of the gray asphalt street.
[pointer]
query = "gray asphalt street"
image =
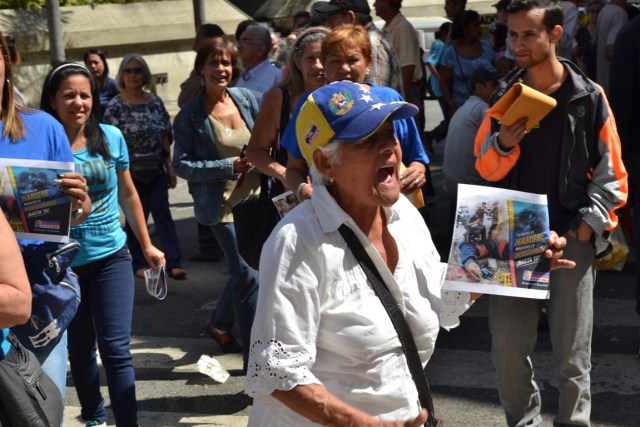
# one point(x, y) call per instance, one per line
point(168, 340)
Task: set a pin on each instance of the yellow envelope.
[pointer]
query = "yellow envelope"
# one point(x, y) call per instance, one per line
point(416, 196)
point(522, 101)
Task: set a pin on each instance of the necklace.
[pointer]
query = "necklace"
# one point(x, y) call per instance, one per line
point(227, 131)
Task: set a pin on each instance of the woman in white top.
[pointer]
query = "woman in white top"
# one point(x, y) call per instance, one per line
point(323, 349)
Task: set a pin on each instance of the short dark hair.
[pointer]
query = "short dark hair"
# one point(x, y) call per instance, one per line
point(211, 30)
point(210, 47)
point(553, 14)
point(443, 31)
point(462, 21)
point(301, 14)
point(96, 141)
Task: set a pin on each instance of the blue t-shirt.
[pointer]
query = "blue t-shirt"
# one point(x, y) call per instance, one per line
point(435, 55)
point(44, 139)
point(101, 234)
point(406, 129)
point(462, 68)
point(6, 345)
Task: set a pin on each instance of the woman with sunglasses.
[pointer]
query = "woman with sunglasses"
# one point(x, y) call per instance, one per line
point(145, 124)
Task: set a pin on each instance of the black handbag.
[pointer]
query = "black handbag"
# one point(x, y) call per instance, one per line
point(255, 217)
point(29, 398)
point(145, 168)
point(253, 220)
point(399, 323)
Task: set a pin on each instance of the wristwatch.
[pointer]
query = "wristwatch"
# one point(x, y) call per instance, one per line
point(77, 213)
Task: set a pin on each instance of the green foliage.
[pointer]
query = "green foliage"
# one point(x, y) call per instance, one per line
point(39, 4)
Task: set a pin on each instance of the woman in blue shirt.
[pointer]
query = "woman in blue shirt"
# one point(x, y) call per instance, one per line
point(96, 62)
point(467, 52)
point(103, 264)
point(34, 135)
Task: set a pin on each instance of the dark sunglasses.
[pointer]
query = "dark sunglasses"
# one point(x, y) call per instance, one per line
point(136, 70)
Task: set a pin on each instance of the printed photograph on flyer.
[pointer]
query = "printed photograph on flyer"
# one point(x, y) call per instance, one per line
point(498, 243)
point(32, 202)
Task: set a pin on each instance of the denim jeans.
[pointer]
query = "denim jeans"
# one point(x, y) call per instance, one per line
point(514, 328)
point(208, 245)
point(54, 364)
point(237, 302)
point(154, 197)
point(104, 317)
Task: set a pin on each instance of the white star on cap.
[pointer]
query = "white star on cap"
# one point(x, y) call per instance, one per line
point(376, 106)
point(366, 98)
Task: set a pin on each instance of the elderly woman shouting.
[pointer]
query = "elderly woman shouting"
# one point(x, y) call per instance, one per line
point(323, 351)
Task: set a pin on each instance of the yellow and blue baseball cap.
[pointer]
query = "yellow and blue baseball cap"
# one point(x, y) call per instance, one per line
point(344, 111)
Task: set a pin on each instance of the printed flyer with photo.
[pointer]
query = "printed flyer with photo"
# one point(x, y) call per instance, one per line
point(498, 244)
point(31, 201)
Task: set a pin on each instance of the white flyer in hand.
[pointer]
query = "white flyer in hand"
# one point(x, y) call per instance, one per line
point(498, 244)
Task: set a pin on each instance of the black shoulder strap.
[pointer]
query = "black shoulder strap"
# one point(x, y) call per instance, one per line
point(399, 322)
point(285, 111)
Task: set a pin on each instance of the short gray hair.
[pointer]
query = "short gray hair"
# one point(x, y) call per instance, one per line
point(263, 36)
point(332, 151)
point(125, 62)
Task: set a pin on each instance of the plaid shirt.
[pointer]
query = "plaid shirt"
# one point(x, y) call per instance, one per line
point(385, 66)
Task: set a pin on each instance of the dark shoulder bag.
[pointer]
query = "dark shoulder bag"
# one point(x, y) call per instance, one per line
point(29, 398)
point(399, 323)
point(255, 217)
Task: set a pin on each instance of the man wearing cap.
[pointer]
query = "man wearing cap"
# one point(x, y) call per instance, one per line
point(385, 66)
point(572, 156)
point(459, 163)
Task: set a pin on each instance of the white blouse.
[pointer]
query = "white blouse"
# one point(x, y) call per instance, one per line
point(319, 321)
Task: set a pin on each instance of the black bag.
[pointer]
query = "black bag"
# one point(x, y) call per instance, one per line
point(254, 219)
point(56, 294)
point(145, 168)
point(28, 396)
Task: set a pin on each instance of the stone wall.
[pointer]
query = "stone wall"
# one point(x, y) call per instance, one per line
point(162, 32)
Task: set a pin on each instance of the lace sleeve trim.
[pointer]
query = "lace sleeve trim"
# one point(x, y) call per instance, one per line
point(454, 304)
point(274, 365)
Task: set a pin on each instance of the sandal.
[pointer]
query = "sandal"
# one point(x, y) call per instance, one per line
point(177, 273)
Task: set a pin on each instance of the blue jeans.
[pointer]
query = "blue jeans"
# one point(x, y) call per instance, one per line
point(104, 317)
point(514, 329)
point(55, 364)
point(237, 302)
point(154, 197)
